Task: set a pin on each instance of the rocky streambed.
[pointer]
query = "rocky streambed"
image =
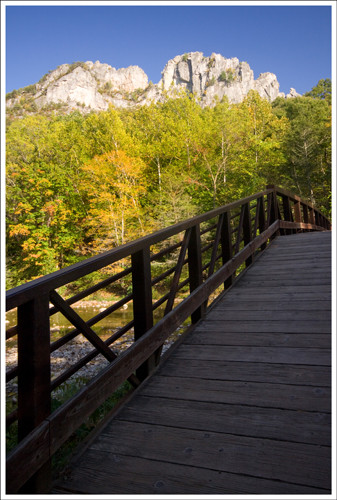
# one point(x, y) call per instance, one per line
point(72, 352)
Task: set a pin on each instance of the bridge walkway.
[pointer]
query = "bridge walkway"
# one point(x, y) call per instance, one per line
point(242, 404)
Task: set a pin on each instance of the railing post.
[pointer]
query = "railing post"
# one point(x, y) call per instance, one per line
point(195, 269)
point(142, 303)
point(297, 211)
point(262, 219)
point(272, 209)
point(247, 230)
point(305, 213)
point(287, 213)
point(311, 216)
point(34, 401)
point(226, 244)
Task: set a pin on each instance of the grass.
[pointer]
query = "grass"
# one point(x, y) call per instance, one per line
point(61, 458)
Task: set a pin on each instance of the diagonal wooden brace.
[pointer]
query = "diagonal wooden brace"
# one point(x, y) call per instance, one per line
point(215, 245)
point(89, 334)
point(176, 277)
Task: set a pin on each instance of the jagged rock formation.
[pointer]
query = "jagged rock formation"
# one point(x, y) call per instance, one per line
point(94, 86)
point(208, 77)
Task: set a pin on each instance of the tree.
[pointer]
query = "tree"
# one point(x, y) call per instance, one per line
point(321, 91)
point(259, 155)
point(44, 207)
point(308, 148)
point(114, 184)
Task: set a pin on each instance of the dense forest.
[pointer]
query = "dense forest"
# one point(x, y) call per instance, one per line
point(80, 184)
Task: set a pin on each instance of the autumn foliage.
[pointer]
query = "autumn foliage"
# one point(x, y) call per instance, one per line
point(81, 184)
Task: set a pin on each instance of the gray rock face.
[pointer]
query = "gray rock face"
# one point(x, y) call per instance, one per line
point(94, 86)
point(216, 76)
point(293, 93)
point(77, 87)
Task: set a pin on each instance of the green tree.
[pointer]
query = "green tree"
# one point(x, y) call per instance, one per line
point(259, 155)
point(44, 206)
point(308, 148)
point(321, 91)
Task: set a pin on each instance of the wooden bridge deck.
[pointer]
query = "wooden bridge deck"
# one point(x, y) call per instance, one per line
point(242, 405)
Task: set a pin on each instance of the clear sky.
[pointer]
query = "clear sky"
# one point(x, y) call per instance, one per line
point(293, 41)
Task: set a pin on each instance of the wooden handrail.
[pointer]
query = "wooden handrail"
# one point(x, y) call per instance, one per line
point(41, 433)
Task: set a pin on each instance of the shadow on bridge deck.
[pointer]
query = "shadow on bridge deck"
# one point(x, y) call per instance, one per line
point(242, 405)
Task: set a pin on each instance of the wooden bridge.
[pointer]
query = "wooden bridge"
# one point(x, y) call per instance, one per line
point(240, 404)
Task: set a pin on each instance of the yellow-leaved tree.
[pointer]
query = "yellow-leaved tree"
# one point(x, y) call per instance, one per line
point(114, 185)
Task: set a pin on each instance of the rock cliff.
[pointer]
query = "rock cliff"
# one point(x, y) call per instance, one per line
point(94, 86)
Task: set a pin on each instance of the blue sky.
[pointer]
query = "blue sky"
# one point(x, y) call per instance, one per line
point(292, 41)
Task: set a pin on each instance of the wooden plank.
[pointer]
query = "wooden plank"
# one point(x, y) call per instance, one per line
point(298, 264)
point(312, 252)
point(265, 295)
point(261, 305)
point(307, 243)
point(298, 268)
point(300, 356)
point(102, 472)
point(302, 326)
point(289, 374)
point(277, 460)
point(270, 315)
point(306, 247)
point(303, 284)
point(205, 336)
point(248, 287)
point(295, 258)
point(285, 425)
point(267, 395)
point(277, 272)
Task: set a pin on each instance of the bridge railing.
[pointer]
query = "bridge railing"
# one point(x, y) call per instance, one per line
point(207, 252)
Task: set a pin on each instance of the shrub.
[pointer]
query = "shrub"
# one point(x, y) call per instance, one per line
point(227, 76)
point(211, 81)
point(211, 62)
point(12, 95)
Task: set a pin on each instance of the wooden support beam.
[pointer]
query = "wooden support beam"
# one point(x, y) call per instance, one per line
point(142, 303)
point(238, 236)
point(195, 269)
point(82, 326)
point(226, 245)
point(288, 216)
point(247, 231)
point(177, 274)
point(297, 211)
point(34, 402)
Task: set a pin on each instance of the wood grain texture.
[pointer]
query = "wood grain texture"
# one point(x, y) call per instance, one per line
point(104, 472)
point(243, 404)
